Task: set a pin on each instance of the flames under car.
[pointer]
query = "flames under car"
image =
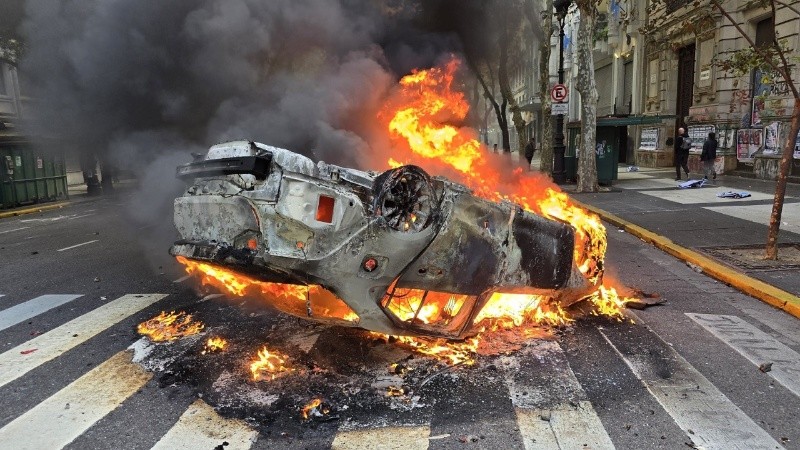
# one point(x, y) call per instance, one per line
point(397, 252)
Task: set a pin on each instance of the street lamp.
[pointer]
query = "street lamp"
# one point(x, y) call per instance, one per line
point(559, 171)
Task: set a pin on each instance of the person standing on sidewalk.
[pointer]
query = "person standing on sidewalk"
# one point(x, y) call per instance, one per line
point(530, 149)
point(682, 146)
point(709, 155)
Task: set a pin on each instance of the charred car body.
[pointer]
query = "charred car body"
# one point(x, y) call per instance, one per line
point(407, 253)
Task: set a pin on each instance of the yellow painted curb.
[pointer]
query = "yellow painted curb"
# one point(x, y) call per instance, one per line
point(35, 209)
point(755, 288)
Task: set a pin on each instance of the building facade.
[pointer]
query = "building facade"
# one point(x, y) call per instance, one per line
point(685, 86)
point(28, 174)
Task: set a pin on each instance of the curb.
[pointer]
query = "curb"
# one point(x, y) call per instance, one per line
point(755, 288)
point(19, 212)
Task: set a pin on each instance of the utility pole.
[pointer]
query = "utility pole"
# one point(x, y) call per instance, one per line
point(559, 171)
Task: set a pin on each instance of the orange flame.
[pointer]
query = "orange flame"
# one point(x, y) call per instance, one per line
point(422, 131)
point(290, 298)
point(395, 391)
point(315, 407)
point(451, 352)
point(428, 102)
point(214, 344)
point(269, 365)
point(506, 311)
point(608, 303)
point(169, 326)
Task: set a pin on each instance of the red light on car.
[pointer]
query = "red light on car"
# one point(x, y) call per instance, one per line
point(370, 264)
point(325, 209)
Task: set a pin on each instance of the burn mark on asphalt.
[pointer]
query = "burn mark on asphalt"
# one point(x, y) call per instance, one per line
point(355, 373)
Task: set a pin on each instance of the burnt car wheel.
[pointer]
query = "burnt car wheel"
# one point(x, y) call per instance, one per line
point(405, 198)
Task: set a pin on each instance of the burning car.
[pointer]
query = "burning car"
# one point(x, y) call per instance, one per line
point(398, 252)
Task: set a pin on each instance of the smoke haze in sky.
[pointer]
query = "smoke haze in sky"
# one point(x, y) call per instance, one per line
point(135, 80)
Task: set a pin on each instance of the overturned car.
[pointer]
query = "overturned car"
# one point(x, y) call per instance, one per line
point(397, 252)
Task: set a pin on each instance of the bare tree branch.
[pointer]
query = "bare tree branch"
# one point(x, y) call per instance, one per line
point(782, 70)
point(785, 5)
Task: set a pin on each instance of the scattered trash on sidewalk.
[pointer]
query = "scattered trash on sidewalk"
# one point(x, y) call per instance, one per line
point(731, 194)
point(693, 183)
point(642, 303)
point(633, 168)
point(28, 352)
point(766, 367)
point(439, 436)
point(695, 267)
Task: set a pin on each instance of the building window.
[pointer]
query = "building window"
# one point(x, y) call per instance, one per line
point(761, 82)
point(627, 88)
point(3, 90)
point(705, 78)
point(652, 78)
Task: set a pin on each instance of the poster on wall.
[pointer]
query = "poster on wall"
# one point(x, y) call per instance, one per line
point(698, 134)
point(748, 141)
point(771, 138)
point(760, 92)
point(727, 138)
point(649, 140)
point(797, 147)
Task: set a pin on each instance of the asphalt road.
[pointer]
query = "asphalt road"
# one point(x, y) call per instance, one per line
point(681, 375)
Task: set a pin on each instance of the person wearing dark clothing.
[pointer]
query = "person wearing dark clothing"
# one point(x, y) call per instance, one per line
point(682, 146)
point(530, 148)
point(708, 156)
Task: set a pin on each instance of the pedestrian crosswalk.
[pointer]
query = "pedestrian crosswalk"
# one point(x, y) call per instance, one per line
point(60, 419)
point(201, 427)
point(696, 405)
point(24, 311)
point(547, 405)
point(566, 424)
point(27, 356)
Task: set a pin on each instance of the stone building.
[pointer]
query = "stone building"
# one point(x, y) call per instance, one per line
point(684, 87)
point(28, 173)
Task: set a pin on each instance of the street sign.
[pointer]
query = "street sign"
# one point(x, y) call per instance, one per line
point(559, 108)
point(558, 93)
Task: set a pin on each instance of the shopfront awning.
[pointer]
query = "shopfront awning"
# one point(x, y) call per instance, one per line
point(630, 120)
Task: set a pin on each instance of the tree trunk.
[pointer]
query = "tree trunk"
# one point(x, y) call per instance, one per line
point(546, 137)
point(499, 109)
point(585, 84)
point(505, 93)
point(502, 119)
point(780, 186)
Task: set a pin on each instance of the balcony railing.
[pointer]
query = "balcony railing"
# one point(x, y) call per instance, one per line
point(674, 5)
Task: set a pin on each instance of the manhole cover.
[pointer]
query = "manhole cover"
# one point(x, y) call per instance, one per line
point(751, 257)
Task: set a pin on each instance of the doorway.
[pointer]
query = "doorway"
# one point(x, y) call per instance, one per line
point(685, 84)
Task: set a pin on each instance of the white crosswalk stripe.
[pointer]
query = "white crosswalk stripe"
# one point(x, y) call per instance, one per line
point(756, 346)
point(396, 438)
point(61, 418)
point(25, 357)
point(564, 426)
point(201, 427)
point(32, 308)
point(697, 406)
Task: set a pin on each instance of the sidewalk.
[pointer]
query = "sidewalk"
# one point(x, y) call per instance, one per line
point(723, 237)
point(77, 193)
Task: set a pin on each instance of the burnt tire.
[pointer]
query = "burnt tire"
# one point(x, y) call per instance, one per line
point(405, 197)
